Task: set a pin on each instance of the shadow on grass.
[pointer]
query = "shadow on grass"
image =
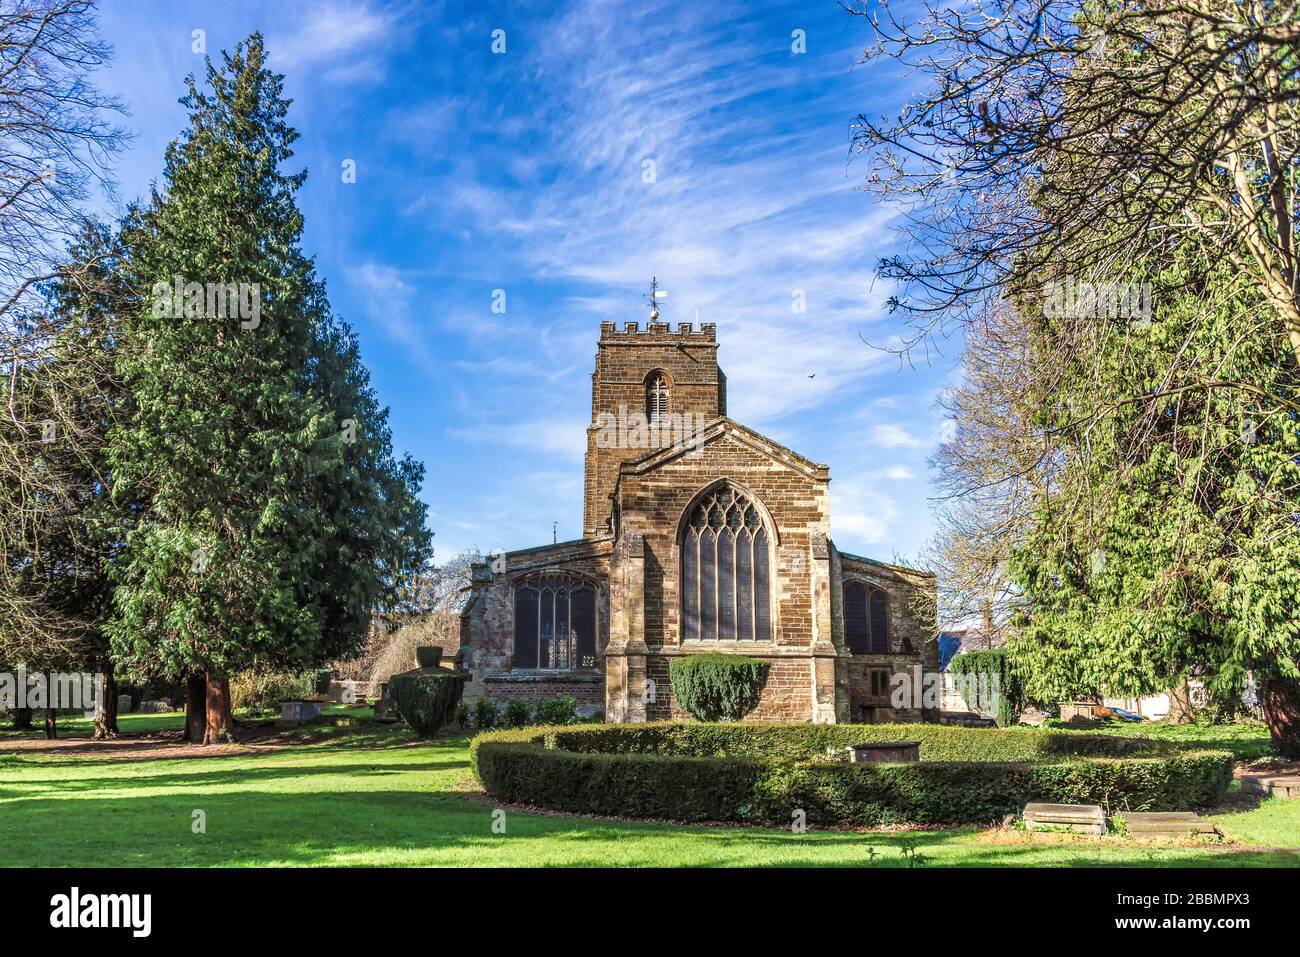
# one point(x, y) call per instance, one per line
point(136, 780)
point(250, 827)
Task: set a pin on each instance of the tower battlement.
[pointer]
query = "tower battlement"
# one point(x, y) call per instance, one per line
point(635, 333)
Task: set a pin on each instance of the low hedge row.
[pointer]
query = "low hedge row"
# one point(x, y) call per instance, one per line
point(800, 741)
point(562, 769)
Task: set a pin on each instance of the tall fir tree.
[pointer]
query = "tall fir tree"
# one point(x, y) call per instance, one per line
point(277, 518)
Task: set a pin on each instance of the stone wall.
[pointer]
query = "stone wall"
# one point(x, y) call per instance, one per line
point(489, 623)
point(653, 495)
point(912, 634)
point(587, 689)
point(787, 695)
point(624, 360)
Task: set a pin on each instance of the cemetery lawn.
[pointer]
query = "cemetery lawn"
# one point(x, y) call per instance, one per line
point(369, 795)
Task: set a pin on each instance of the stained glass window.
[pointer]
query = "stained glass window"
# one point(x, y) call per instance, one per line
point(866, 619)
point(725, 567)
point(555, 623)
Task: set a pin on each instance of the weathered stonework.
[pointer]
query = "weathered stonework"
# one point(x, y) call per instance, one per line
point(636, 503)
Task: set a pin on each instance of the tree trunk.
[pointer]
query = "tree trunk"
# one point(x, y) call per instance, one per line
point(196, 711)
point(51, 723)
point(105, 705)
point(220, 725)
point(1181, 709)
point(1280, 699)
point(22, 719)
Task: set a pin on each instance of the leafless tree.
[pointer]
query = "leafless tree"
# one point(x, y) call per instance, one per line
point(990, 469)
point(56, 144)
point(1055, 137)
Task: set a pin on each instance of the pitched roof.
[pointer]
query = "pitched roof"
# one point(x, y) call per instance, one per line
point(718, 427)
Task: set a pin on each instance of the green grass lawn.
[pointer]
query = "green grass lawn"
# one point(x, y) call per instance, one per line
point(1245, 741)
point(367, 795)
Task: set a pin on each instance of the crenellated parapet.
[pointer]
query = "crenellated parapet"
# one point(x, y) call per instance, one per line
point(654, 333)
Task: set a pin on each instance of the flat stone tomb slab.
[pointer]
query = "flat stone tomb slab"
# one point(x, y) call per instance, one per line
point(1277, 785)
point(1081, 818)
point(885, 752)
point(1166, 823)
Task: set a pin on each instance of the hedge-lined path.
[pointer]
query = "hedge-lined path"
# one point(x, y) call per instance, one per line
point(370, 796)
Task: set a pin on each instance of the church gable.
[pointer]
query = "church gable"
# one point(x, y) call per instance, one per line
point(692, 445)
point(654, 492)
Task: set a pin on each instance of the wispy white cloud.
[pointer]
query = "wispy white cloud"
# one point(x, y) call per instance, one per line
point(343, 40)
point(388, 300)
point(895, 437)
point(559, 437)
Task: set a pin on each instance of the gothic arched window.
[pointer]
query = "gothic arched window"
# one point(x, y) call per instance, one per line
point(726, 570)
point(866, 619)
point(656, 397)
point(555, 622)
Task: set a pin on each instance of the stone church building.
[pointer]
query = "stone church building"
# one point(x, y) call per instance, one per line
point(699, 535)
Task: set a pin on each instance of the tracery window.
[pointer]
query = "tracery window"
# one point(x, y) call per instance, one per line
point(656, 397)
point(555, 623)
point(726, 567)
point(866, 619)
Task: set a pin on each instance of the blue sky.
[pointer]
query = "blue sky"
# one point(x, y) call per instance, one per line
point(524, 171)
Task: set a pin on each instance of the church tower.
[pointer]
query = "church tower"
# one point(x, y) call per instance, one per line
point(657, 373)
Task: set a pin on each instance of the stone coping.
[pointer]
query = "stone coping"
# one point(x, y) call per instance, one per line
point(545, 677)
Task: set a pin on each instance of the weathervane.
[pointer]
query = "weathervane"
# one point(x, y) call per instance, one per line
point(652, 298)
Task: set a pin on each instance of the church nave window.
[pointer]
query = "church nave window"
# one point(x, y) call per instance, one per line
point(726, 571)
point(866, 619)
point(555, 623)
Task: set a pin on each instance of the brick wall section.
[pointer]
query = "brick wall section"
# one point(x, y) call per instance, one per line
point(787, 696)
point(910, 604)
point(589, 693)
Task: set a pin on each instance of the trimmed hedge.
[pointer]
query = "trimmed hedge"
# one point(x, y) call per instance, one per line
point(676, 772)
point(426, 698)
point(987, 683)
point(804, 741)
point(716, 687)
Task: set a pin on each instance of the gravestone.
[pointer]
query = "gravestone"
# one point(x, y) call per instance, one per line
point(1080, 818)
point(885, 752)
point(1278, 784)
point(299, 711)
point(1165, 823)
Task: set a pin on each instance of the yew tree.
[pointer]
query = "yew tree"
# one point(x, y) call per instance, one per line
point(1165, 544)
point(276, 517)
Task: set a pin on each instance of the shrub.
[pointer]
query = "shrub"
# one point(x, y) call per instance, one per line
point(715, 687)
point(518, 714)
point(486, 713)
point(394, 653)
point(462, 715)
point(426, 698)
point(757, 773)
point(428, 656)
point(988, 684)
point(260, 692)
point(557, 711)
